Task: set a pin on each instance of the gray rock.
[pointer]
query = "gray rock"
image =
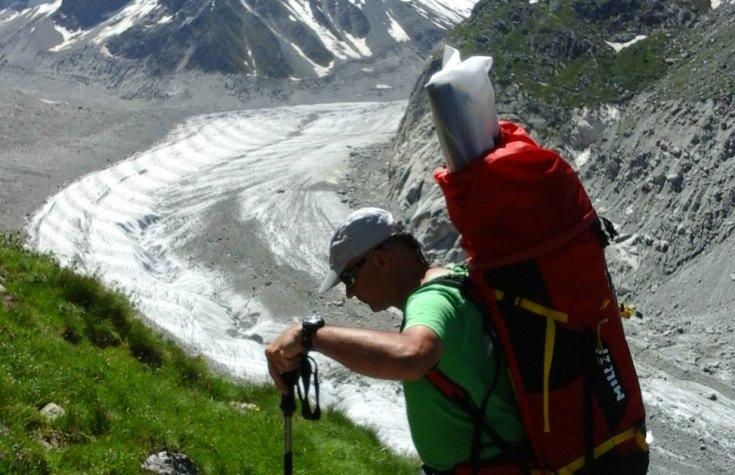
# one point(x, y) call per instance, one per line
point(52, 411)
point(170, 463)
point(589, 126)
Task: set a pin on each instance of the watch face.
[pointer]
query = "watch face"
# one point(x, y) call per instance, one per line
point(313, 320)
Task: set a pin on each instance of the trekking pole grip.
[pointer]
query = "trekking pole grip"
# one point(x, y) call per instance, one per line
point(288, 401)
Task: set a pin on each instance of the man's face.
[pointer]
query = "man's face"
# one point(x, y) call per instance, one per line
point(364, 278)
point(349, 275)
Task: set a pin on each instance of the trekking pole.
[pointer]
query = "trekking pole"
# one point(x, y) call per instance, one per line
point(288, 406)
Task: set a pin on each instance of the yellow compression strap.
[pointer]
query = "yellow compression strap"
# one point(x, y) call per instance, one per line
point(534, 307)
point(606, 446)
point(552, 316)
point(548, 355)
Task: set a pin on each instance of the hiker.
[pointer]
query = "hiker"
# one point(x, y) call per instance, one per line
point(518, 362)
point(384, 266)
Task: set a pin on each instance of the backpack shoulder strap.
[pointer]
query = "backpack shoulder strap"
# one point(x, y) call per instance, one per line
point(455, 393)
point(452, 279)
point(464, 284)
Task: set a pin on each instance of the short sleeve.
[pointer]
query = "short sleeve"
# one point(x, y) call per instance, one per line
point(431, 307)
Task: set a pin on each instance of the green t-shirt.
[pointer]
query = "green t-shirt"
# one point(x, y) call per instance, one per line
point(441, 430)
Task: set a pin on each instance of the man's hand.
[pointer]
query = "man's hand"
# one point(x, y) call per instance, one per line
point(284, 355)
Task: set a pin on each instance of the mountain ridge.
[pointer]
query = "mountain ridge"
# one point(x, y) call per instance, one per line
point(287, 43)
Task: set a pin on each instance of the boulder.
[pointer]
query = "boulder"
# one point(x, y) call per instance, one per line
point(52, 411)
point(170, 463)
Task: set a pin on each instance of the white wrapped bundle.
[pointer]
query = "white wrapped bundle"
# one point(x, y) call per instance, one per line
point(462, 102)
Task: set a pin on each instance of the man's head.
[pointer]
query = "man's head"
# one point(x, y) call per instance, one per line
point(361, 232)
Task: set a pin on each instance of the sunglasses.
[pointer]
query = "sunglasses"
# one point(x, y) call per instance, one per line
point(349, 276)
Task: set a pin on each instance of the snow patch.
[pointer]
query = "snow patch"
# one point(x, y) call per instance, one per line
point(342, 50)
point(581, 159)
point(359, 45)
point(319, 70)
point(106, 52)
point(251, 65)
point(53, 103)
point(445, 13)
point(126, 19)
point(620, 46)
point(396, 30)
point(68, 38)
point(44, 9)
point(11, 15)
point(118, 24)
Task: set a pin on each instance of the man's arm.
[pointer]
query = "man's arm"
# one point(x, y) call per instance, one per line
point(385, 355)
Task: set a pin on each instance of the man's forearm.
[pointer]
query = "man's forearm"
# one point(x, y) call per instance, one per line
point(398, 356)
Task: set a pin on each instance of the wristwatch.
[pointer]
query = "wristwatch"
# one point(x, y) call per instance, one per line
point(309, 326)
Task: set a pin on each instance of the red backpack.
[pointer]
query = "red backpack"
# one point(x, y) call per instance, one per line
point(537, 265)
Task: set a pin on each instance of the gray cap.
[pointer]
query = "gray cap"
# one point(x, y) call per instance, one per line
point(361, 231)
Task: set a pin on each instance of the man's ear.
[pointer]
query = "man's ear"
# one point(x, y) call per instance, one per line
point(383, 259)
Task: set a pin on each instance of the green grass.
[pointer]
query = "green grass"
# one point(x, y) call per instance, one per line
point(129, 393)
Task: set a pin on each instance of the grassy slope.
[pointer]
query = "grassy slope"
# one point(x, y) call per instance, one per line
point(128, 393)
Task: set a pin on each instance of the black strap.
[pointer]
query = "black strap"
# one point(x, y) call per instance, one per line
point(459, 396)
point(516, 452)
point(589, 359)
point(477, 433)
point(432, 471)
point(305, 373)
point(605, 231)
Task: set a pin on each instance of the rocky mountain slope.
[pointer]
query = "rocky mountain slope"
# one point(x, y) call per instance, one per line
point(650, 127)
point(667, 131)
point(147, 48)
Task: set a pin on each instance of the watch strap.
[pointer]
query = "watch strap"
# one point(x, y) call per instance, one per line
point(308, 328)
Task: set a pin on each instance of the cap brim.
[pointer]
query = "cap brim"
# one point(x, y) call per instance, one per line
point(330, 281)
